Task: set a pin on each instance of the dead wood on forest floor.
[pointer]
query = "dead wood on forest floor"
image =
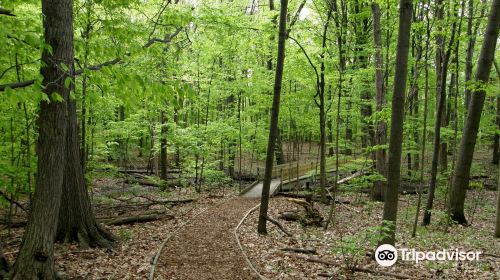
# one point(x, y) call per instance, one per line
point(354, 269)
point(314, 198)
point(300, 250)
point(276, 223)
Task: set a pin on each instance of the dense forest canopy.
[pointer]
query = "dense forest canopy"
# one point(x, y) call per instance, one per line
point(391, 95)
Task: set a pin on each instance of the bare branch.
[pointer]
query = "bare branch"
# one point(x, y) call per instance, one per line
point(6, 12)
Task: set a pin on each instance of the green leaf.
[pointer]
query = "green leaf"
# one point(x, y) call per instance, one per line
point(56, 97)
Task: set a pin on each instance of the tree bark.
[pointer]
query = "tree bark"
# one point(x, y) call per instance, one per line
point(322, 110)
point(398, 104)
point(4, 265)
point(280, 157)
point(36, 256)
point(471, 35)
point(163, 146)
point(379, 187)
point(77, 222)
point(461, 174)
point(440, 112)
point(496, 138)
point(274, 118)
point(497, 225)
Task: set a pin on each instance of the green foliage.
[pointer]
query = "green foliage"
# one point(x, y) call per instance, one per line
point(353, 247)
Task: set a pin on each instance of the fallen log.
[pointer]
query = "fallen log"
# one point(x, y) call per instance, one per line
point(349, 178)
point(300, 250)
point(143, 182)
point(177, 201)
point(314, 198)
point(116, 221)
point(290, 216)
point(134, 219)
point(353, 176)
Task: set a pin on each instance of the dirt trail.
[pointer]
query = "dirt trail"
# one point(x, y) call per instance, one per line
point(206, 248)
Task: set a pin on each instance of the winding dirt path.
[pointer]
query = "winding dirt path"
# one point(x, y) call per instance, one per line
point(206, 247)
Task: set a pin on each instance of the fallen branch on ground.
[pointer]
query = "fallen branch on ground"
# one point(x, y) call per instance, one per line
point(134, 219)
point(143, 182)
point(179, 201)
point(357, 268)
point(349, 178)
point(300, 250)
point(290, 216)
point(490, 255)
point(395, 275)
point(276, 223)
point(314, 198)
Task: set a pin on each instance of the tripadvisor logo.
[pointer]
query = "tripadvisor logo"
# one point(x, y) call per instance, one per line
point(387, 255)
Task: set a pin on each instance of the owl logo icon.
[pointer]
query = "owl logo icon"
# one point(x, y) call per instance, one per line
point(386, 255)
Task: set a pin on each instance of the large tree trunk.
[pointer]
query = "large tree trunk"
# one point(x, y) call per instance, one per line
point(36, 256)
point(467, 144)
point(378, 191)
point(398, 104)
point(76, 218)
point(273, 129)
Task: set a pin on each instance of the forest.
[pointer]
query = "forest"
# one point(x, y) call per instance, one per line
point(247, 139)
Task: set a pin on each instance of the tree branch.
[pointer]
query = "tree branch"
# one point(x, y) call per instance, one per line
point(93, 67)
point(296, 16)
point(6, 12)
point(278, 225)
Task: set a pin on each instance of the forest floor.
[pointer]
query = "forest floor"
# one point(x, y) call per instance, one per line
point(206, 248)
point(346, 244)
point(202, 244)
point(133, 256)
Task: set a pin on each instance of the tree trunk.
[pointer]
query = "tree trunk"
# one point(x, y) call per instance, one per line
point(77, 222)
point(280, 158)
point(274, 119)
point(163, 146)
point(496, 138)
point(379, 187)
point(4, 265)
point(398, 104)
point(437, 129)
point(471, 35)
point(467, 144)
point(497, 225)
point(322, 112)
point(36, 256)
